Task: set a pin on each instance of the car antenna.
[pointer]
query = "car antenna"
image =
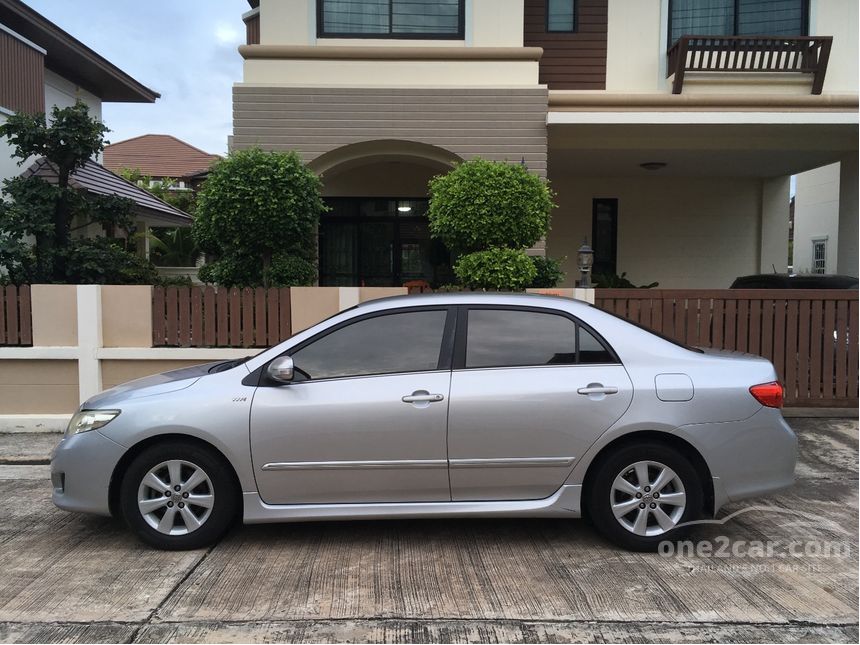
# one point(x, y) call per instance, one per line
point(774, 267)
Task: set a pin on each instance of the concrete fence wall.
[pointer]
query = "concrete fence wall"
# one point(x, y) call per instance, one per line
point(87, 338)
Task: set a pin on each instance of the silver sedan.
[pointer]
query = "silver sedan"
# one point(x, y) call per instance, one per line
point(429, 406)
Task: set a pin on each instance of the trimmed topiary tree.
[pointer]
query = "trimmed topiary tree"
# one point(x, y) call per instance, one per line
point(489, 213)
point(257, 215)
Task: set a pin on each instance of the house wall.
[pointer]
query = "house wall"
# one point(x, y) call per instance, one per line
point(63, 93)
point(22, 65)
point(816, 216)
point(638, 42)
point(489, 23)
point(681, 232)
point(500, 123)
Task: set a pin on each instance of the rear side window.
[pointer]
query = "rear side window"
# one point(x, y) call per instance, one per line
point(388, 344)
point(518, 338)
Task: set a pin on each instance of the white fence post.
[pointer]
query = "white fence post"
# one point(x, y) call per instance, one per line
point(89, 340)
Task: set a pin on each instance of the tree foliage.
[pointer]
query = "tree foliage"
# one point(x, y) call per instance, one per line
point(497, 269)
point(257, 215)
point(489, 212)
point(37, 218)
point(548, 273)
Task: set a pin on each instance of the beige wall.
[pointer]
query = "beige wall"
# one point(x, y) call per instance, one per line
point(392, 73)
point(680, 232)
point(838, 18)
point(55, 315)
point(494, 123)
point(489, 23)
point(816, 216)
point(127, 316)
point(634, 39)
point(38, 386)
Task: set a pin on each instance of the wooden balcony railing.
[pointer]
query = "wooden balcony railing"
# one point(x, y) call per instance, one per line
point(803, 55)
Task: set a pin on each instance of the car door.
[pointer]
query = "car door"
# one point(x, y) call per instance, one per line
point(365, 418)
point(531, 390)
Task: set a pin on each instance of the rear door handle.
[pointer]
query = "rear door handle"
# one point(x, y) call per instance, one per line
point(597, 389)
point(422, 398)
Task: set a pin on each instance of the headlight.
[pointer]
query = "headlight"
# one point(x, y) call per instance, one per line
point(87, 420)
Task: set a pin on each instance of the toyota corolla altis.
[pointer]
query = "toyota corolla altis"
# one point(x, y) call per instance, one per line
point(430, 406)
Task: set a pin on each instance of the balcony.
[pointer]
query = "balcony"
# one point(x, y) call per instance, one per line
point(794, 54)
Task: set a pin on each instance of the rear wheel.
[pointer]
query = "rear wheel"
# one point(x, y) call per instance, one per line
point(643, 494)
point(178, 495)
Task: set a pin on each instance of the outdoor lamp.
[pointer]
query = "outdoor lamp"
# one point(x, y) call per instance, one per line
point(585, 260)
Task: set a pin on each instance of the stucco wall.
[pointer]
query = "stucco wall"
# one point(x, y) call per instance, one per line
point(38, 386)
point(680, 232)
point(488, 23)
point(816, 216)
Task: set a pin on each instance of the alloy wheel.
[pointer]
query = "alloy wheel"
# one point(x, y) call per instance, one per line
point(176, 497)
point(648, 498)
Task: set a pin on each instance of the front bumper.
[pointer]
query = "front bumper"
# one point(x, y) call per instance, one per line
point(81, 469)
point(748, 458)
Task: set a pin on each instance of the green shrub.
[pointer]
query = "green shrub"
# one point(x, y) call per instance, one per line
point(485, 204)
point(549, 273)
point(614, 281)
point(291, 271)
point(104, 261)
point(499, 269)
point(255, 209)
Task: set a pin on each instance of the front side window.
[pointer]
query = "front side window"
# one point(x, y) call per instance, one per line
point(737, 18)
point(387, 344)
point(561, 15)
point(391, 18)
point(517, 338)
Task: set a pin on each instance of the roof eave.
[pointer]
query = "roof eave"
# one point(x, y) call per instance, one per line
point(70, 58)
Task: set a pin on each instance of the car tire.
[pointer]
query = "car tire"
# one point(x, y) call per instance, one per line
point(179, 495)
point(646, 517)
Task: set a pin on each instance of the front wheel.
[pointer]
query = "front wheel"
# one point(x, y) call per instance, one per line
point(643, 494)
point(178, 495)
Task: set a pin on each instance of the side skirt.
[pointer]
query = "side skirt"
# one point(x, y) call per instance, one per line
point(565, 502)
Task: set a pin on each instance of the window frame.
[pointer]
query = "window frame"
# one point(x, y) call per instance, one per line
point(459, 353)
point(445, 351)
point(460, 35)
point(815, 269)
point(804, 23)
point(574, 29)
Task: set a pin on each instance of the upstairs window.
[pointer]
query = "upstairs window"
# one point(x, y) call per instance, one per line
point(737, 18)
point(391, 18)
point(561, 16)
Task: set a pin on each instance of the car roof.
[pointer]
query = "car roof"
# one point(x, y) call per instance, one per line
point(474, 298)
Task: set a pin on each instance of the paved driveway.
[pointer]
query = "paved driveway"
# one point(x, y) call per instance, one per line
point(75, 578)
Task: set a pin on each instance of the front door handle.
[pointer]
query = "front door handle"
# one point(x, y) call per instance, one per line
point(422, 396)
point(597, 388)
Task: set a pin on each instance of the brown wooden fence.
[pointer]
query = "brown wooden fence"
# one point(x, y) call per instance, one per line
point(210, 317)
point(16, 326)
point(810, 336)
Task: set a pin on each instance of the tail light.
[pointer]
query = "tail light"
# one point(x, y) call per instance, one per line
point(768, 394)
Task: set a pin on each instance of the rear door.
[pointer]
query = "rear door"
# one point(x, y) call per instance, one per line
point(531, 390)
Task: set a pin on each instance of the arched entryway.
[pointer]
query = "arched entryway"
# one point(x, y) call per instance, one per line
point(376, 233)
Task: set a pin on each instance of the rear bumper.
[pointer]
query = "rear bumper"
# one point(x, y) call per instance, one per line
point(748, 458)
point(81, 468)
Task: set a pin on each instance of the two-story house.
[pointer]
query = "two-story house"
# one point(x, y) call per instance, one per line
point(669, 129)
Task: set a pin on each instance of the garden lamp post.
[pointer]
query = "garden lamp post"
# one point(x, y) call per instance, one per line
point(585, 260)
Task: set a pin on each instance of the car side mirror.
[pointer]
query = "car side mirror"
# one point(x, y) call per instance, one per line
point(281, 369)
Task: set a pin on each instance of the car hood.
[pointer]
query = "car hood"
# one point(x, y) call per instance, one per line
point(150, 385)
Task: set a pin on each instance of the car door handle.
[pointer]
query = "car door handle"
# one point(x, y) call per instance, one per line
point(422, 398)
point(597, 389)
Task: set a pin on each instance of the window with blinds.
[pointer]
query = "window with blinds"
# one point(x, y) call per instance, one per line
point(390, 18)
point(737, 18)
point(561, 16)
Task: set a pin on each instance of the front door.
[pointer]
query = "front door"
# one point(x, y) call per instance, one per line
point(366, 418)
point(531, 390)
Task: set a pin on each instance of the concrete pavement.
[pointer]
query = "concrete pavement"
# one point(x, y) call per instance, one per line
point(75, 578)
